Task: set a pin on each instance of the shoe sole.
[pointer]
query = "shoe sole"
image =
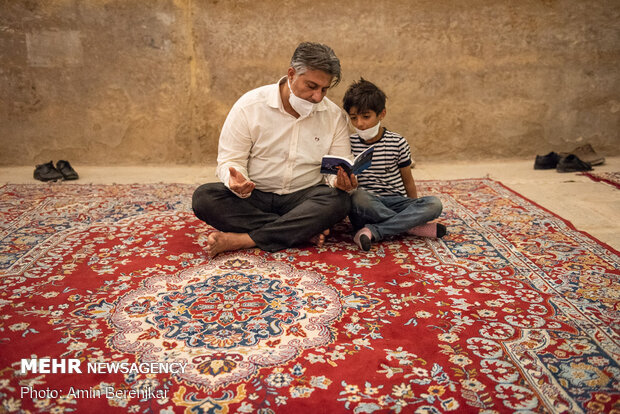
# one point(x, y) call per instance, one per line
point(571, 170)
point(45, 180)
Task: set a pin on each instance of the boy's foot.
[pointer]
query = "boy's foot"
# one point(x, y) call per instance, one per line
point(363, 239)
point(429, 230)
point(219, 242)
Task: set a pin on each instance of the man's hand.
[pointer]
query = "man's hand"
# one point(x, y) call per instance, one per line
point(344, 181)
point(239, 184)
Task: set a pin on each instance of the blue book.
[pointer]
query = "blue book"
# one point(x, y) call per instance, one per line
point(330, 163)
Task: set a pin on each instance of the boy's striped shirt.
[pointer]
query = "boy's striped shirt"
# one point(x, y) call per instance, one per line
point(383, 176)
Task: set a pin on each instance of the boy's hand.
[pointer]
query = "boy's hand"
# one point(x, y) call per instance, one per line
point(239, 185)
point(344, 181)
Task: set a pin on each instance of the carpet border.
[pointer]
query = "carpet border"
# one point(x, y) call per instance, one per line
point(600, 180)
point(566, 221)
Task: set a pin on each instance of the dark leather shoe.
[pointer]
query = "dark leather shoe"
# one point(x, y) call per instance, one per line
point(572, 163)
point(66, 170)
point(47, 172)
point(587, 154)
point(546, 162)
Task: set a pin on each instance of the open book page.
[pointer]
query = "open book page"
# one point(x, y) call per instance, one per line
point(330, 163)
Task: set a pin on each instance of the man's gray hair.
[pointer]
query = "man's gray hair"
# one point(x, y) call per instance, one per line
point(316, 56)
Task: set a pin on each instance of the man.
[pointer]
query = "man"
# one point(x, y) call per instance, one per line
point(272, 193)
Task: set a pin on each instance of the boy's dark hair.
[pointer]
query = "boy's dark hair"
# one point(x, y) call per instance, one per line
point(364, 96)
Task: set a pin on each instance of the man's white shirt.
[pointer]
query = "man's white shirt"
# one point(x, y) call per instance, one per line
point(278, 152)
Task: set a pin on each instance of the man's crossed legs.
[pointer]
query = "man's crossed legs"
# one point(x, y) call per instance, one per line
point(270, 221)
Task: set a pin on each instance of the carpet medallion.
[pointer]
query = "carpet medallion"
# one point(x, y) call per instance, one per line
point(513, 311)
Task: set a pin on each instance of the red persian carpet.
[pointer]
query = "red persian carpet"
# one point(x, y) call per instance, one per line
point(611, 178)
point(109, 304)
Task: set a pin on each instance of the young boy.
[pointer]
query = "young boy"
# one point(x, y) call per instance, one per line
point(386, 202)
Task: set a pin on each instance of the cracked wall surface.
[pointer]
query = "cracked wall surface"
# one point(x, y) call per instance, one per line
point(111, 82)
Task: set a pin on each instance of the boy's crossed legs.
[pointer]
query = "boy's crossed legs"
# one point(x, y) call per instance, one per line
point(377, 217)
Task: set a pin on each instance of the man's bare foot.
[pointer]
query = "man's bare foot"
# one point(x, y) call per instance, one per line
point(319, 239)
point(219, 242)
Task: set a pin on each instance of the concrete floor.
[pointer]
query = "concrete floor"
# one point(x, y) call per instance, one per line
point(593, 207)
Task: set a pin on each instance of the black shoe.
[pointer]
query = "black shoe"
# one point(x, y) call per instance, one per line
point(547, 162)
point(47, 172)
point(66, 170)
point(572, 163)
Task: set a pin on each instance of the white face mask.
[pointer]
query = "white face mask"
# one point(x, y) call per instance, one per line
point(301, 106)
point(369, 133)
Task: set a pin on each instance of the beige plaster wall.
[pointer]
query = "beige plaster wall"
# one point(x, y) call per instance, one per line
point(147, 82)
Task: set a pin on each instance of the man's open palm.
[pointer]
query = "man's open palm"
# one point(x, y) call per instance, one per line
point(239, 184)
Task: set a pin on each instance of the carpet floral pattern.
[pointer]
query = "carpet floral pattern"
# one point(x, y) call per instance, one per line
point(513, 311)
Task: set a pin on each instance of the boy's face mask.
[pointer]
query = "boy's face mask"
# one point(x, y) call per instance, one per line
point(369, 133)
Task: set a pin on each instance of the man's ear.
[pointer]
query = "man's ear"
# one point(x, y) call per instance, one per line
point(290, 73)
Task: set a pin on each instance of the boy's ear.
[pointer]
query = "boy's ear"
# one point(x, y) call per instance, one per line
point(382, 115)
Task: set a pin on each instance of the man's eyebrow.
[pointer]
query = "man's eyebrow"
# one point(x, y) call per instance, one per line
point(313, 84)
